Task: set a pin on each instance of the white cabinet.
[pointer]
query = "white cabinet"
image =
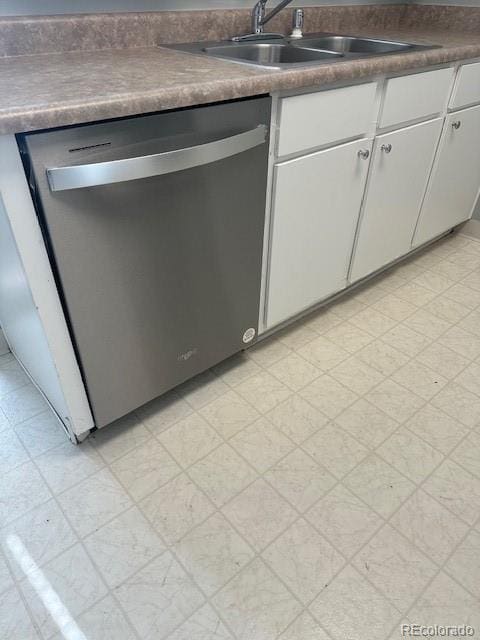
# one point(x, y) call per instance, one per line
point(316, 204)
point(398, 177)
point(467, 86)
point(455, 180)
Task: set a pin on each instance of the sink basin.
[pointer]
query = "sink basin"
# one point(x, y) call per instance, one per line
point(350, 44)
point(270, 54)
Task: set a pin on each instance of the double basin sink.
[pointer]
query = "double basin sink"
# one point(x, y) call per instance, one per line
point(279, 53)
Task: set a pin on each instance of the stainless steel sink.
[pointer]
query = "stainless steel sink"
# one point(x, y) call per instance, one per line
point(268, 54)
point(351, 44)
point(312, 49)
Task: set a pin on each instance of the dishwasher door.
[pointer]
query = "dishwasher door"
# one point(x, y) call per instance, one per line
point(155, 230)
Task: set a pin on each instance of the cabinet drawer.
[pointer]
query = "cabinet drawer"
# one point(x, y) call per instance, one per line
point(415, 96)
point(467, 86)
point(318, 119)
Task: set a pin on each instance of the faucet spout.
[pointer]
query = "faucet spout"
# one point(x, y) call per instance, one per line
point(260, 19)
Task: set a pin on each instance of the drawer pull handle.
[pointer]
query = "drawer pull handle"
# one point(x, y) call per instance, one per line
point(457, 124)
point(363, 154)
point(386, 147)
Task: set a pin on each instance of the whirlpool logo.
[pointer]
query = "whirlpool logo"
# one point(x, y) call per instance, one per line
point(183, 357)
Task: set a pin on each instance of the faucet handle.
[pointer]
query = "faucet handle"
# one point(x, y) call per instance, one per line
point(297, 23)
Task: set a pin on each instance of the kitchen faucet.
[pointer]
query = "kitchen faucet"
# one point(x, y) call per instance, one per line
point(260, 19)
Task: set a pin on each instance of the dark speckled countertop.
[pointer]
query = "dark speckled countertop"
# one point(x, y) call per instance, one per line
point(52, 89)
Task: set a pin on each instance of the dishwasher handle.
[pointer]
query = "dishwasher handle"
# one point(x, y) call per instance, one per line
point(103, 173)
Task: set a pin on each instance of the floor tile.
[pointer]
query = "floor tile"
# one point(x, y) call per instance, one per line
point(222, 474)
point(394, 307)
point(437, 428)
point(297, 418)
point(349, 337)
point(159, 598)
point(259, 514)
point(351, 608)
point(176, 508)
point(12, 377)
point(410, 455)
point(304, 560)
point(297, 335)
point(471, 323)
point(427, 324)
point(162, 412)
point(445, 602)
point(456, 489)
point(12, 451)
point(204, 624)
point(366, 423)
point(373, 322)
point(229, 414)
point(406, 340)
point(472, 280)
point(213, 552)
point(262, 444)
point(236, 369)
point(347, 306)
point(323, 353)
point(395, 567)
point(4, 422)
point(434, 281)
point(322, 320)
point(382, 357)
point(44, 532)
point(356, 375)
point(464, 565)
point(22, 404)
point(344, 520)
point(463, 295)
point(464, 259)
point(294, 371)
point(300, 480)
point(415, 294)
point(41, 433)
point(462, 342)
point(104, 621)
point(394, 400)
point(21, 489)
point(442, 360)
point(268, 351)
point(379, 485)
point(119, 438)
point(305, 627)
point(144, 469)
point(335, 449)
point(14, 620)
point(429, 526)
point(94, 501)
point(256, 604)
point(467, 454)
point(263, 391)
point(190, 439)
point(469, 378)
point(76, 582)
point(419, 379)
point(123, 546)
point(202, 389)
point(328, 396)
point(459, 403)
point(65, 465)
point(446, 309)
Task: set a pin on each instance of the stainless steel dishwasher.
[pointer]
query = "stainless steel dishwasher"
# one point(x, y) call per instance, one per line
point(154, 226)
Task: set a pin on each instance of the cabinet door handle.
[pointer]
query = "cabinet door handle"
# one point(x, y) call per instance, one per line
point(363, 154)
point(386, 147)
point(457, 124)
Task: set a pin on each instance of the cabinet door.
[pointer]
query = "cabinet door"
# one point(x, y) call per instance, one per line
point(315, 212)
point(401, 164)
point(455, 180)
